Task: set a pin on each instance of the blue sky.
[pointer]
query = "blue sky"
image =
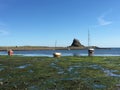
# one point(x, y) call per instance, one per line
point(42, 22)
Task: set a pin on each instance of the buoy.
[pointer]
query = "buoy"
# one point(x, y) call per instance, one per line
point(10, 52)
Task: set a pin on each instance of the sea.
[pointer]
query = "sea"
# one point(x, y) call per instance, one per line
point(81, 52)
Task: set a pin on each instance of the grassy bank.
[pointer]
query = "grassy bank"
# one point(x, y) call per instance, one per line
point(65, 73)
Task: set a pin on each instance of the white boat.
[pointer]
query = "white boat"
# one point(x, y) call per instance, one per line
point(90, 49)
point(57, 54)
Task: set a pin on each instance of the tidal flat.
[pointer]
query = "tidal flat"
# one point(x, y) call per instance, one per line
point(64, 73)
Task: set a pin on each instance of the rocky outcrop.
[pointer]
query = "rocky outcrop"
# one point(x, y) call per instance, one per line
point(76, 43)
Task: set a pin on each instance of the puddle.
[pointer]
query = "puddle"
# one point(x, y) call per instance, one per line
point(73, 69)
point(31, 71)
point(106, 71)
point(23, 66)
point(49, 81)
point(73, 72)
point(68, 79)
point(61, 72)
point(94, 66)
point(111, 73)
point(58, 68)
point(1, 69)
point(1, 79)
point(70, 69)
point(53, 64)
point(33, 88)
point(99, 86)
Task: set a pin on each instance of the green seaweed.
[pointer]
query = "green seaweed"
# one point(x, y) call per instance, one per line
point(64, 73)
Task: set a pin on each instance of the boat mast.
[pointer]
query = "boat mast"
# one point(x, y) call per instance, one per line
point(88, 38)
point(90, 49)
point(55, 44)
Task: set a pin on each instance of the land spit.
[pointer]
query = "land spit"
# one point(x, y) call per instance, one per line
point(3, 48)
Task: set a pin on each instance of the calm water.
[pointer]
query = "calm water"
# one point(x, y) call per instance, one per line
point(98, 52)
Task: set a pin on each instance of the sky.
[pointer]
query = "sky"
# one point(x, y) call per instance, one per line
point(44, 22)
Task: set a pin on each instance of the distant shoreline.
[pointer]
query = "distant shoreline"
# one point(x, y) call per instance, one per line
point(17, 48)
point(37, 48)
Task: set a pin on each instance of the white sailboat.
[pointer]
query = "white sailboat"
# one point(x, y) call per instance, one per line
point(56, 54)
point(90, 49)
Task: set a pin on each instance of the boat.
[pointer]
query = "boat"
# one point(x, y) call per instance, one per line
point(90, 49)
point(57, 54)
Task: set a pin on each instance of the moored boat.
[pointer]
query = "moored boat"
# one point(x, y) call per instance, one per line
point(57, 54)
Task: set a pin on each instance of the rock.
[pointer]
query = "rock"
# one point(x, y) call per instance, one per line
point(117, 85)
point(1, 83)
point(76, 43)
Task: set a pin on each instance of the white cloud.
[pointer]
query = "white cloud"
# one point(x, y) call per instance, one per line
point(103, 22)
point(102, 19)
